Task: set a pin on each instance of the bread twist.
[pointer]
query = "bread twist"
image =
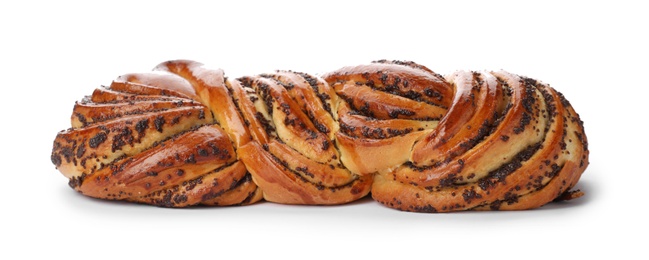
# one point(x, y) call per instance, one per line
point(187, 135)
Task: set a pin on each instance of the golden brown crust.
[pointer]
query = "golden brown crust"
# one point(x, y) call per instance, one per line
point(532, 153)
point(149, 138)
point(163, 81)
point(187, 135)
point(384, 109)
point(406, 79)
point(293, 158)
point(283, 184)
point(211, 88)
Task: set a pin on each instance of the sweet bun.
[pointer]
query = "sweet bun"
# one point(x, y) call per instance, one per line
point(186, 135)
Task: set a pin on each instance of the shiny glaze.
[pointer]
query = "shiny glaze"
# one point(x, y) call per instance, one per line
point(156, 168)
point(360, 155)
point(99, 144)
point(292, 124)
point(84, 114)
point(385, 108)
point(187, 135)
point(281, 185)
point(474, 108)
point(297, 162)
point(141, 89)
point(148, 138)
point(163, 81)
point(356, 125)
point(308, 98)
point(474, 162)
point(326, 174)
point(537, 174)
point(210, 86)
point(399, 78)
point(248, 111)
point(382, 105)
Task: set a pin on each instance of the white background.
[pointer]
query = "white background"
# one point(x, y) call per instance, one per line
point(55, 52)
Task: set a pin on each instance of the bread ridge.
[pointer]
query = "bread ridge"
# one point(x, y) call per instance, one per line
point(187, 135)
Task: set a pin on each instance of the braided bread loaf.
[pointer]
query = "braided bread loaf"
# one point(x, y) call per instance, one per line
point(187, 135)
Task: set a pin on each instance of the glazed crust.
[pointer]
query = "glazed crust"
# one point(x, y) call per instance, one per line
point(158, 138)
point(526, 155)
point(187, 135)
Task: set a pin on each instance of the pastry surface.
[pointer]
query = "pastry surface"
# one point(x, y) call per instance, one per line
point(187, 135)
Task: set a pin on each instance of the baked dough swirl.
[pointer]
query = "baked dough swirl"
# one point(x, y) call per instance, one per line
point(187, 135)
